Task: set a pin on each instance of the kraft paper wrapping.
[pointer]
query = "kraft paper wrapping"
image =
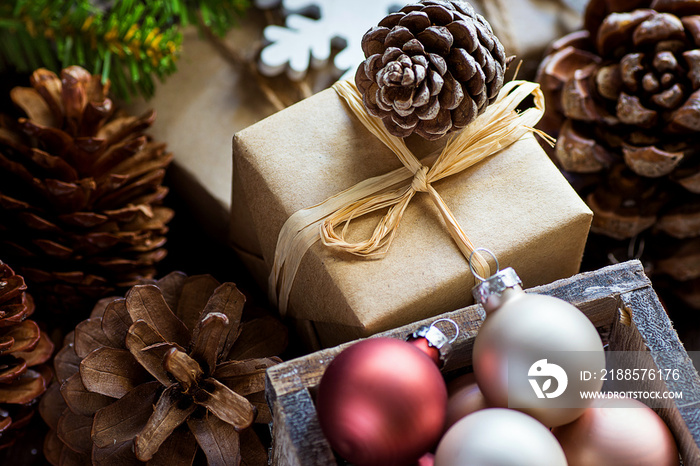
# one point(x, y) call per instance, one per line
point(515, 203)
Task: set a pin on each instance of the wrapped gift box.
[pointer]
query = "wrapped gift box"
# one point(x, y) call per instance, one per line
point(515, 203)
point(208, 99)
point(620, 302)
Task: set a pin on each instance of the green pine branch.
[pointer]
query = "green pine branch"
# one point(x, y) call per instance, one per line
point(130, 43)
point(217, 15)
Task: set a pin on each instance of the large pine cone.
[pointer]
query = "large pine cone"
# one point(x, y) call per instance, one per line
point(627, 92)
point(623, 95)
point(431, 68)
point(23, 351)
point(159, 375)
point(80, 188)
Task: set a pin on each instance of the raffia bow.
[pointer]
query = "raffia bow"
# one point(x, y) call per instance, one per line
point(497, 128)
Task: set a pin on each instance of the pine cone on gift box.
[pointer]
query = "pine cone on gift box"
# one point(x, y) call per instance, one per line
point(23, 351)
point(623, 94)
point(431, 68)
point(80, 188)
point(161, 374)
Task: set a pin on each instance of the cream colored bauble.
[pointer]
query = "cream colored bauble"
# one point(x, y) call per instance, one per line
point(499, 437)
point(618, 432)
point(531, 350)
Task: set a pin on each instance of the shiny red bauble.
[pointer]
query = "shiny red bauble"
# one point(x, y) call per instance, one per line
point(382, 402)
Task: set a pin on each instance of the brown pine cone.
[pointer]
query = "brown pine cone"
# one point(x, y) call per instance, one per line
point(623, 95)
point(161, 374)
point(23, 351)
point(627, 90)
point(431, 68)
point(80, 188)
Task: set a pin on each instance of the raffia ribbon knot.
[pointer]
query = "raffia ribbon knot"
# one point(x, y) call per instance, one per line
point(497, 128)
point(420, 180)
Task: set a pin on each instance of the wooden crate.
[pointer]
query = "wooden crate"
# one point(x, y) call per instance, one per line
point(620, 302)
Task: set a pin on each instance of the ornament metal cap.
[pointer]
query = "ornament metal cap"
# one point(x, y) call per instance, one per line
point(437, 338)
point(496, 284)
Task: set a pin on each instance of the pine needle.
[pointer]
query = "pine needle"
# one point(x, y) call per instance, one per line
point(130, 43)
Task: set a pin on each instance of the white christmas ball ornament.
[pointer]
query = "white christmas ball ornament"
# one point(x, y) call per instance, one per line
point(499, 437)
point(531, 350)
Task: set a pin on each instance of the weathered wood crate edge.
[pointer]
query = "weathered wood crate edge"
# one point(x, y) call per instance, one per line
point(618, 299)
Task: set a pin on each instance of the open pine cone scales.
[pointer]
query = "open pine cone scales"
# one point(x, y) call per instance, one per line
point(162, 374)
point(628, 89)
point(23, 351)
point(623, 95)
point(431, 68)
point(80, 188)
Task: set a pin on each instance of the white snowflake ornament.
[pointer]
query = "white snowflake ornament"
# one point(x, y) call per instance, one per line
point(305, 43)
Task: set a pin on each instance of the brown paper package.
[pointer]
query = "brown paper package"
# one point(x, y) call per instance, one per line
point(515, 203)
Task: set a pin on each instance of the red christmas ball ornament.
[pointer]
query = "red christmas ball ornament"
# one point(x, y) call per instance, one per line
point(382, 401)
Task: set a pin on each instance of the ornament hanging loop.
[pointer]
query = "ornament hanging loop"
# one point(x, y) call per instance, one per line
point(444, 319)
point(437, 339)
point(471, 263)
